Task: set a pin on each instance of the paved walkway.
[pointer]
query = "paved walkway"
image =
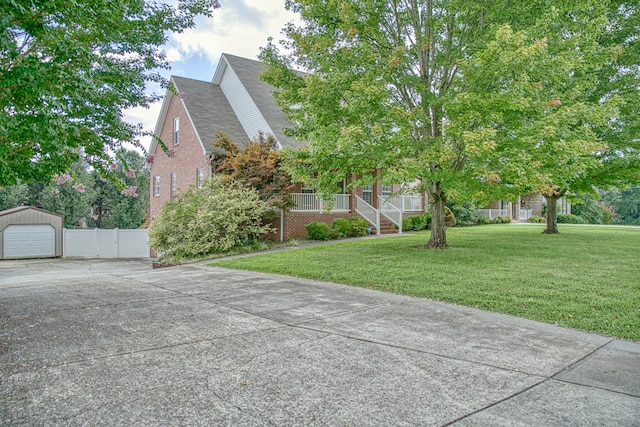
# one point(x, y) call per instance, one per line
point(95, 342)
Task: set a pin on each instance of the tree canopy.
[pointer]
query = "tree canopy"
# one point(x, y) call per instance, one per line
point(258, 165)
point(470, 99)
point(69, 68)
point(85, 198)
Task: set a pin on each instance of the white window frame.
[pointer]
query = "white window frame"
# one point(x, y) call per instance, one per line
point(367, 189)
point(174, 187)
point(156, 185)
point(176, 130)
point(199, 177)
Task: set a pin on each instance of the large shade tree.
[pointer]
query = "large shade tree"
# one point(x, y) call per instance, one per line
point(436, 92)
point(566, 136)
point(69, 68)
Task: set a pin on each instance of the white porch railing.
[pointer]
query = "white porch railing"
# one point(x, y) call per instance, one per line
point(407, 203)
point(393, 213)
point(311, 202)
point(493, 213)
point(368, 212)
point(525, 214)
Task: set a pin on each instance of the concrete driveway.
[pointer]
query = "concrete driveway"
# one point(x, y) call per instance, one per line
point(97, 342)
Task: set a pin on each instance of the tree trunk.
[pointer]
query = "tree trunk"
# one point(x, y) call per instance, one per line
point(552, 215)
point(438, 239)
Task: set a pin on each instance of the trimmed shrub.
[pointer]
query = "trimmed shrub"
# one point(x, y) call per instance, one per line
point(335, 234)
point(213, 219)
point(466, 215)
point(569, 219)
point(416, 222)
point(317, 230)
point(501, 220)
point(358, 226)
point(342, 226)
point(537, 219)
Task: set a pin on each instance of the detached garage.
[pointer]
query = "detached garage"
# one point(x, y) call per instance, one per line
point(27, 232)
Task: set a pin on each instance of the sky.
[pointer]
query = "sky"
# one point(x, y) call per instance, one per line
point(238, 27)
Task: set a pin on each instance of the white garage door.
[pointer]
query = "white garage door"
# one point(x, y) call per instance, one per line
point(29, 241)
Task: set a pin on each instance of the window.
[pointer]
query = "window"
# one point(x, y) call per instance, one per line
point(367, 193)
point(176, 131)
point(387, 190)
point(156, 185)
point(308, 190)
point(200, 178)
point(173, 185)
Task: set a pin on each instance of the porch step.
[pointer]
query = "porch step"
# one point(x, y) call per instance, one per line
point(386, 227)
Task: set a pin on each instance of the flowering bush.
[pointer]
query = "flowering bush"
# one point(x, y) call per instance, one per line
point(213, 219)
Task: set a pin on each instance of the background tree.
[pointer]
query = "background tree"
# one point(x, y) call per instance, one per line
point(14, 196)
point(587, 140)
point(560, 137)
point(86, 198)
point(626, 204)
point(68, 69)
point(69, 196)
point(258, 165)
point(112, 207)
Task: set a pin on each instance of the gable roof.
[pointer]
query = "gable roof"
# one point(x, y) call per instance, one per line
point(248, 71)
point(24, 208)
point(210, 111)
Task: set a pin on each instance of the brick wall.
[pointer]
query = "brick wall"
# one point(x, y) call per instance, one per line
point(294, 222)
point(187, 157)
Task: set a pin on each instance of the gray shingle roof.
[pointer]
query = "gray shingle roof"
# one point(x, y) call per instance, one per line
point(209, 110)
point(248, 71)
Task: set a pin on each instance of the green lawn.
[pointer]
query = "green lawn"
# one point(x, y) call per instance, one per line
point(587, 277)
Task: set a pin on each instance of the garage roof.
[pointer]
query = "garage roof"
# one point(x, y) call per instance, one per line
point(23, 208)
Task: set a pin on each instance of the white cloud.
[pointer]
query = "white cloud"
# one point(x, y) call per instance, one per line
point(239, 27)
point(173, 55)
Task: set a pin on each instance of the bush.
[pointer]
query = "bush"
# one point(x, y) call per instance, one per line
point(449, 217)
point(537, 219)
point(416, 222)
point(342, 226)
point(466, 215)
point(317, 230)
point(501, 220)
point(213, 219)
point(359, 226)
point(607, 214)
point(335, 234)
point(569, 219)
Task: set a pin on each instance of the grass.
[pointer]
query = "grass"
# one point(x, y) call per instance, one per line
point(585, 278)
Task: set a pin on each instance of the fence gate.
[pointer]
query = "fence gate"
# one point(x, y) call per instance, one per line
point(97, 243)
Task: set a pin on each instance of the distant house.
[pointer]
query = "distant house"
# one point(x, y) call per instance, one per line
point(239, 104)
point(524, 208)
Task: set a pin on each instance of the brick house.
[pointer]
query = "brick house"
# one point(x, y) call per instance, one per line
point(239, 104)
point(523, 208)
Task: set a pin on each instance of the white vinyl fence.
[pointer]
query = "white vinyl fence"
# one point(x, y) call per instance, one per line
point(97, 243)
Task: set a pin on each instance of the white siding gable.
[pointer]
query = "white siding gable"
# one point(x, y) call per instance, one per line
point(245, 109)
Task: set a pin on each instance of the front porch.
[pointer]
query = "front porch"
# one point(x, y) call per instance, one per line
point(376, 211)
